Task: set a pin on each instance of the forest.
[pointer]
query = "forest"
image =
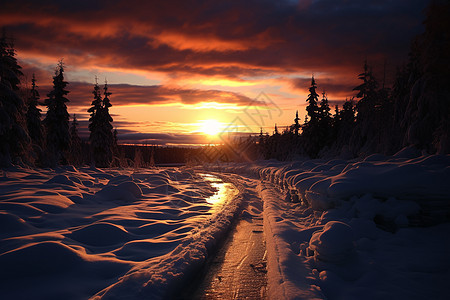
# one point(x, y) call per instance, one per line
point(378, 119)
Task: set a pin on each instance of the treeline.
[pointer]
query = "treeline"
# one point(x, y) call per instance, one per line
point(414, 112)
point(28, 139)
point(141, 156)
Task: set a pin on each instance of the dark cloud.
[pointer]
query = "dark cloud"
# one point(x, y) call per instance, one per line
point(202, 36)
point(335, 87)
point(238, 40)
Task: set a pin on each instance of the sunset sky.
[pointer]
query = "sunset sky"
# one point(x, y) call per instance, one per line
point(181, 71)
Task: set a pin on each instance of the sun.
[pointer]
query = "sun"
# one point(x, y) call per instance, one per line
point(210, 127)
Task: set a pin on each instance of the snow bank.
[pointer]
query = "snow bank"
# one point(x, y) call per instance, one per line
point(375, 228)
point(334, 243)
point(407, 188)
point(288, 276)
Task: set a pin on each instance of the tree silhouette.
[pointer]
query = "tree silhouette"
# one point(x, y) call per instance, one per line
point(311, 128)
point(296, 124)
point(14, 139)
point(426, 122)
point(75, 142)
point(57, 118)
point(95, 138)
point(367, 92)
point(33, 115)
point(101, 136)
point(106, 127)
point(325, 122)
point(313, 109)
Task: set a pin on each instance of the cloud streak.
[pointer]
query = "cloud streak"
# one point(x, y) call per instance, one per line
point(203, 36)
point(80, 94)
point(190, 45)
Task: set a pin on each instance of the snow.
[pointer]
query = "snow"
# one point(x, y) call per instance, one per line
point(76, 234)
point(371, 228)
point(375, 228)
point(334, 243)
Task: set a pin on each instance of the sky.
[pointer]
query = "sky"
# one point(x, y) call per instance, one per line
point(187, 72)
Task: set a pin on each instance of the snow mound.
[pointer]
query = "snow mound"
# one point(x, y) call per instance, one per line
point(126, 191)
point(100, 234)
point(61, 179)
point(38, 259)
point(11, 224)
point(78, 234)
point(334, 243)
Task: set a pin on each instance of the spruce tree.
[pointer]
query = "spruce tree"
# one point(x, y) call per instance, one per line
point(56, 121)
point(348, 113)
point(14, 139)
point(426, 121)
point(33, 115)
point(363, 140)
point(313, 109)
point(347, 122)
point(95, 138)
point(107, 128)
point(311, 130)
point(324, 122)
point(101, 136)
point(367, 93)
point(296, 124)
point(75, 142)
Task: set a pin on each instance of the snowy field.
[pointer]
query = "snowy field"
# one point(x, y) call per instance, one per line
point(73, 234)
point(376, 228)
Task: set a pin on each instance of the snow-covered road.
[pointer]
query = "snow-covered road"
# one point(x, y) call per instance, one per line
point(238, 270)
point(375, 228)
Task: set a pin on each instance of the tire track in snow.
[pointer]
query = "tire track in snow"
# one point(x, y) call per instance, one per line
point(238, 270)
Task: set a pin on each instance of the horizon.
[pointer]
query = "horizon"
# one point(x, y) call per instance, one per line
point(181, 78)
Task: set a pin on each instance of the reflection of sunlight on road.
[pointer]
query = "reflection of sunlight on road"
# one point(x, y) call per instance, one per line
point(224, 191)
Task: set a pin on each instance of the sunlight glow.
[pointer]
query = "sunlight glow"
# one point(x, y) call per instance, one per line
point(210, 127)
point(225, 191)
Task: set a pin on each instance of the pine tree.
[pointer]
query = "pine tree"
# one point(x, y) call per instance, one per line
point(313, 109)
point(57, 118)
point(14, 139)
point(324, 122)
point(336, 123)
point(426, 121)
point(296, 124)
point(107, 128)
point(324, 109)
point(364, 139)
point(75, 142)
point(347, 122)
point(95, 136)
point(311, 130)
point(348, 112)
point(101, 137)
point(367, 93)
point(33, 115)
